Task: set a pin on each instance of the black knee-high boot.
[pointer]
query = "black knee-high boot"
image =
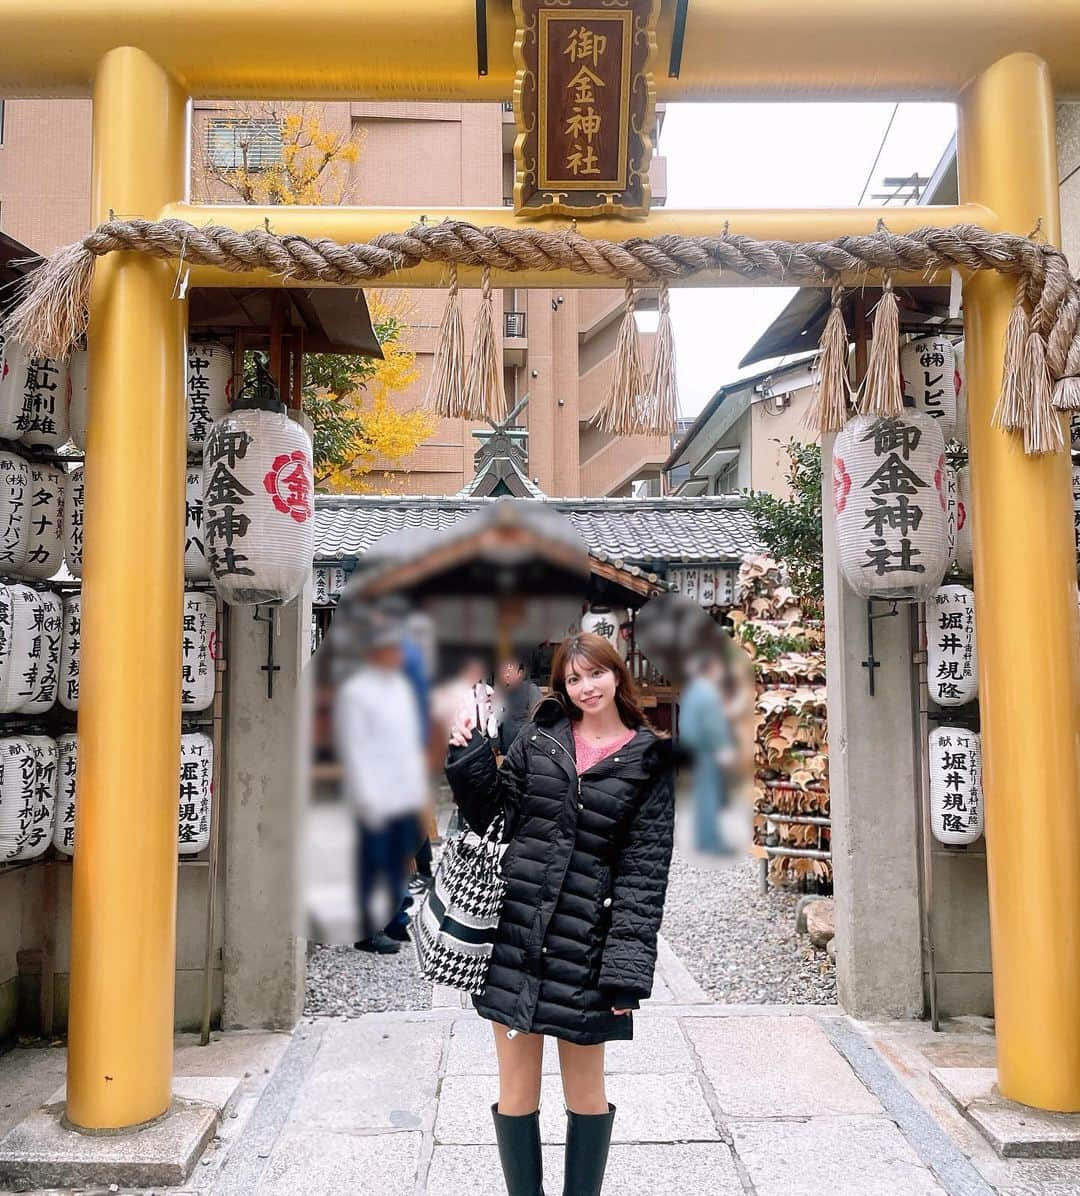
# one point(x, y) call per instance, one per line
point(588, 1136)
point(519, 1152)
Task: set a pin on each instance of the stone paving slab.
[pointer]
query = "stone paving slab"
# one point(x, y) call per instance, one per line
point(777, 1067)
point(317, 1163)
point(1012, 1129)
point(666, 1108)
point(372, 1075)
point(852, 1156)
point(690, 1167)
point(658, 1046)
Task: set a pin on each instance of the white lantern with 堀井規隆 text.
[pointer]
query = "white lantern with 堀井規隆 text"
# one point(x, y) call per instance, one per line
point(196, 792)
point(15, 501)
point(79, 408)
point(67, 749)
point(952, 660)
point(18, 793)
point(45, 521)
point(195, 563)
point(39, 832)
point(209, 390)
point(956, 804)
point(197, 664)
point(928, 373)
point(70, 637)
point(891, 505)
point(74, 495)
point(42, 676)
point(259, 501)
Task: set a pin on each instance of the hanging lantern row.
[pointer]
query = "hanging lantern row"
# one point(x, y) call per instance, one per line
point(891, 504)
point(327, 583)
point(37, 795)
point(956, 799)
point(707, 587)
point(951, 653)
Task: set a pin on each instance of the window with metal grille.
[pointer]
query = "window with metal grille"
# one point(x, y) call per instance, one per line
point(243, 143)
point(514, 323)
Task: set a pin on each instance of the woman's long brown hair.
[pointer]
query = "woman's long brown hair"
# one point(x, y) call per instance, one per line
point(599, 653)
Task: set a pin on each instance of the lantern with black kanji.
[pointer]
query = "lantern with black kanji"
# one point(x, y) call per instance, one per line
point(951, 653)
point(195, 564)
point(39, 830)
point(327, 583)
point(79, 409)
point(604, 622)
point(209, 390)
point(15, 501)
point(196, 791)
point(258, 500)
point(956, 804)
point(197, 664)
point(73, 521)
point(42, 676)
point(34, 398)
point(891, 504)
point(67, 750)
point(928, 373)
point(70, 638)
point(20, 617)
point(45, 521)
point(18, 791)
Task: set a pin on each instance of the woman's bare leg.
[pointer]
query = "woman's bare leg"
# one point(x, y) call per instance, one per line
point(583, 1077)
point(520, 1062)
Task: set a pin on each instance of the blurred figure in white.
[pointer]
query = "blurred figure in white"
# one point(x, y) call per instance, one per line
point(378, 728)
point(704, 729)
point(516, 697)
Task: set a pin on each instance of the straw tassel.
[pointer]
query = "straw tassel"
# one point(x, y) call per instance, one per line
point(484, 397)
point(828, 409)
point(619, 413)
point(1010, 411)
point(660, 404)
point(54, 305)
point(446, 392)
point(1042, 426)
point(883, 392)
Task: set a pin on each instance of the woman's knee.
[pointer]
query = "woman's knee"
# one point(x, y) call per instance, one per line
point(583, 1078)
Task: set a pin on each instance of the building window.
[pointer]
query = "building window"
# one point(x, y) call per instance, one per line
point(727, 480)
point(243, 143)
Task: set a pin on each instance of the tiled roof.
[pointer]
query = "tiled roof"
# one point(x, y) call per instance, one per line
point(651, 532)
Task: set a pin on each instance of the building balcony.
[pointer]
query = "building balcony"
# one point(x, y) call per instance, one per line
point(515, 339)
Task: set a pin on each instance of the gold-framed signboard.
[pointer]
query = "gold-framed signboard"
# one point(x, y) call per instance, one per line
point(585, 106)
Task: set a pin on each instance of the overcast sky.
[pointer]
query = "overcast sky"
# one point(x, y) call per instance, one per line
point(771, 156)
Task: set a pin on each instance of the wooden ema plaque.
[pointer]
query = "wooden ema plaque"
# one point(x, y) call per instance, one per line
point(585, 106)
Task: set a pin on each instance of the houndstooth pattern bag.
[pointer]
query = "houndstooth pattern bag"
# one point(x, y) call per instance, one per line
point(454, 930)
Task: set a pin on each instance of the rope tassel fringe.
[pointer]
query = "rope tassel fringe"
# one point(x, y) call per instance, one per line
point(619, 414)
point(446, 392)
point(828, 409)
point(883, 392)
point(484, 397)
point(661, 401)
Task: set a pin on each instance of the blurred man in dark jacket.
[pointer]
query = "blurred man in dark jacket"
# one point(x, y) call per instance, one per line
point(517, 696)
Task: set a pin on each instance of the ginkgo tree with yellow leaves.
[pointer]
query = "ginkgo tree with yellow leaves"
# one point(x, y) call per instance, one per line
point(270, 153)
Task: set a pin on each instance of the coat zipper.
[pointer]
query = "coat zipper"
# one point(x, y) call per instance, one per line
point(569, 755)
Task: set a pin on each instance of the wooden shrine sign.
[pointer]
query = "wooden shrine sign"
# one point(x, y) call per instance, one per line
point(585, 106)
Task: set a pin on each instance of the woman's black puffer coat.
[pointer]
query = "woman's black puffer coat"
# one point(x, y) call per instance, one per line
point(587, 869)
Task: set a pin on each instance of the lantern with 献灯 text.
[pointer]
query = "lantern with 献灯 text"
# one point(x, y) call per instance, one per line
point(21, 612)
point(42, 674)
point(45, 521)
point(196, 792)
point(952, 661)
point(197, 663)
point(70, 637)
point(18, 793)
point(15, 502)
point(195, 564)
point(956, 803)
point(928, 373)
point(38, 833)
point(74, 495)
point(209, 390)
point(891, 504)
point(67, 749)
point(259, 500)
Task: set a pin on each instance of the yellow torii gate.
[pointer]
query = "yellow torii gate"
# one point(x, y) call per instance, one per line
point(142, 63)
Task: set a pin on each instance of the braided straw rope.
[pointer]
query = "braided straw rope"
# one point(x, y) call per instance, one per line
point(52, 313)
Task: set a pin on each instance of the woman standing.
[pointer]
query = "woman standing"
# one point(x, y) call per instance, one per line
point(588, 795)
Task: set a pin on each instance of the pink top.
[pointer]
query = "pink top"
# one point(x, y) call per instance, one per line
point(587, 754)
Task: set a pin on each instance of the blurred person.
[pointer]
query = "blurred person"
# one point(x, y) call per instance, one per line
point(705, 729)
point(379, 739)
point(467, 688)
point(587, 789)
point(517, 696)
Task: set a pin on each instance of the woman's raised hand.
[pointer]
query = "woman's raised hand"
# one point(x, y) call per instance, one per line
point(462, 727)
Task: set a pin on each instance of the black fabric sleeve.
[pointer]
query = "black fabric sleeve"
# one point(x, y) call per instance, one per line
point(479, 787)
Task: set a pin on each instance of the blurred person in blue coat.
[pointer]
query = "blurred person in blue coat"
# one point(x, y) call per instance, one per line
point(705, 730)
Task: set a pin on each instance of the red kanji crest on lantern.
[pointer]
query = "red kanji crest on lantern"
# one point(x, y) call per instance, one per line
point(841, 484)
point(289, 484)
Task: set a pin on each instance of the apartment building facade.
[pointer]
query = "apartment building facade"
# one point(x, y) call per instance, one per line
point(557, 346)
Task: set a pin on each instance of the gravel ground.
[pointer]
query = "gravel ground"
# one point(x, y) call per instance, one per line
point(739, 944)
point(342, 982)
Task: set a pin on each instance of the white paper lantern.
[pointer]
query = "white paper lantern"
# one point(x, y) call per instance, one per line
point(707, 587)
point(43, 673)
point(45, 521)
point(687, 581)
point(890, 500)
point(15, 504)
point(928, 368)
point(39, 401)
point(67, 748)
point(258, 507)
point(196, 567)
point(78, 411)
point(70, 643)
point(12, 373)
point(961, 432)
point(952, 492)
point(20, 657)
point(327, 584)
point(40, 833)
point(956, 803)
point(197, 684)
point(209, 390)
point(963, 521)
point(18, 790)
point(951, 650)
point(1074, 432)
point(604, 622)
point(726, 580)
point(74, 496)
point(196, 792)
